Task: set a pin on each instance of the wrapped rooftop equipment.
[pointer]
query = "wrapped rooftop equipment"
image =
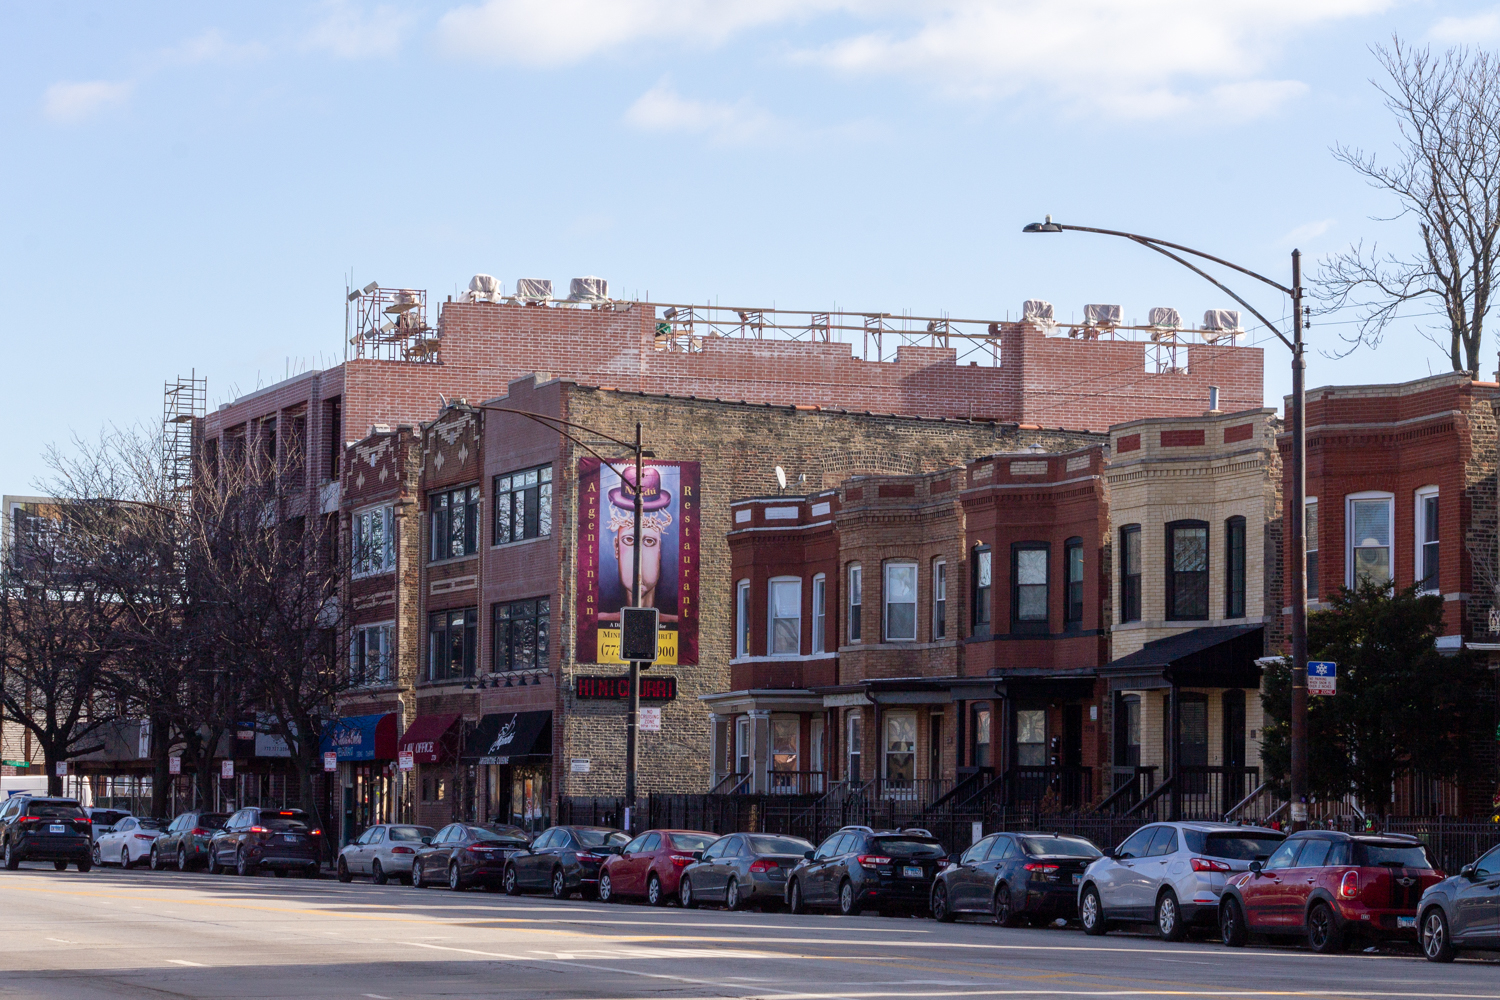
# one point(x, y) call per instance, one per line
point(1036, 311)
point(534, 289)
point(1097, 315)
point(483, 288)
point(1166, 317)
point(1222, 320)
point(589, 289)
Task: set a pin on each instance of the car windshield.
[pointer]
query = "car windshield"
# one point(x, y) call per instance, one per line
point(500, 836)
point(691, 841)
point(56, 810)
point(1068, 847)
point(779, 845)
point(410, 833)
point(282, 824)
point(1391, 855)
point(151, 824)
point(1234, 846)
point(601, 838)
point(908, 847)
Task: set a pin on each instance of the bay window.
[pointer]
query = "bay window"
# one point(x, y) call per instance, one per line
point(1028, 586)
point(900, 602)
point(1426, 522)
point(1130, 573)
point(1187, 570)
point(785, 633)
point(1369, 539)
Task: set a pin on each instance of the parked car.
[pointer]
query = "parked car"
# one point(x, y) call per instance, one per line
point(256, 838)
point(651, 865)
point(1463, 911)
point(1170, 874)
point(383, 852)
point(129, 842)
point(464, 854)
point(1015, 877)
point(185, 840)
point(41, 828)
point(1331, 888)
point(859, 868)
point(563, 859)
point(741, 869)
point(103, 820)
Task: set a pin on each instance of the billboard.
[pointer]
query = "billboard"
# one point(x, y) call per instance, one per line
point(669, 556)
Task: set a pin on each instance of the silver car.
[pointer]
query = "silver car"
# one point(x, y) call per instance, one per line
point(741, 869)
point(1169, 874)
point(383, 852)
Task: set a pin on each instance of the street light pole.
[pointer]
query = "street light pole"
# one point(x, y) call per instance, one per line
point(633, 714)
point(1292, 509)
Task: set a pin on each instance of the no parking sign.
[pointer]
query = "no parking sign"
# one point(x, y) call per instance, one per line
point(1322, 677)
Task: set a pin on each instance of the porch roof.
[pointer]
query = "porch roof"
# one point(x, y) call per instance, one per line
point(1219, 656)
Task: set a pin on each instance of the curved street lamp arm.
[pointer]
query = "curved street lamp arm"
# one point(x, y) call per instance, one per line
point(1145, 242)
point(1149, 240)
point(544, 421)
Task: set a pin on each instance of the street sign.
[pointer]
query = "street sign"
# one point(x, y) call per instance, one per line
point(226, 768)
point(331, 760)
point(638, 635)
point(174, 765)
point(406, 759)
point(650, 720)
point(62, 768)
point(580, 765)
point(1322, 677)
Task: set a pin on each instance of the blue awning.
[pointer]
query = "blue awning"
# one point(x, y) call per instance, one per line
point(361, 737)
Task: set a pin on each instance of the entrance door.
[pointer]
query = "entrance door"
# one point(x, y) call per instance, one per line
point(1234, 748)
point(1072, 754)
point(1193, 734)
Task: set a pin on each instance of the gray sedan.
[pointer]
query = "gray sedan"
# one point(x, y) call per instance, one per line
point(383, 852)
point(742, 868)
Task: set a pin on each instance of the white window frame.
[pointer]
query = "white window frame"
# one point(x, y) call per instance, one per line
point(885, 599)
point(1310, 546)
point(1419, 523)
point(771, 618)
point(1349, 499)
point(939, 599)
point(744, 744)
point(742, 619)
point(819, 613)
point(360, 523)
point(854, 726)
point(383, 671)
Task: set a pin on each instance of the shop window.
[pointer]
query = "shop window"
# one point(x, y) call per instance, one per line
point(373, 541)
point(1028, 587)
point(1234, 567)
point(523, 505)
point(520, 635)
point(900, 602)
point(819, 615)
point(1369, 533)
point(370, 655)
point(785, 634)
point(983, 574)
point(939, 599)
point(1426, 522)
point(1310, 539)
point(856, 599)
point(1187, 571)
point(742, 618)
point(900, 749)
point(1130, 573)
point(1073, 562)
point(451, 640)
point(455, 523)
point(1031, 737)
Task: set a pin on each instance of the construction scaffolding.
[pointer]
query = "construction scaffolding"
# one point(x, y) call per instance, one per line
point(389, 324)
point(183, 402)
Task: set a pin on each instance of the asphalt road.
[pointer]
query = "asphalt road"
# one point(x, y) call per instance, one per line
point(133, 934)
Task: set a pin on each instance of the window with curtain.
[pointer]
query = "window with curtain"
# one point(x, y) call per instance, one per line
point(1187, 571)
point(900, 748)
point(742, 618)
point(939, 599)
point(1234, 567)
point(1130, 573)
point(786, 618)
point(1427, 540)
point(856, 599)
point(1031, 737)
point(523, 505)
point(1310, 537)
point(785, 735)
point(1370, 540)
point(455, 523)
point(900, 601)
point(1073, 562)
point(983, 587)
point(1028, 586)
point(981, 728)
point(520, 634)
point(819, 616)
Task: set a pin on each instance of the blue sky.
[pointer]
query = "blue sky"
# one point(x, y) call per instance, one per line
point(188, 185)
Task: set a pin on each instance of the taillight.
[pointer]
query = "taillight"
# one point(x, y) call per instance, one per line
point(31, 819)
point(198, 831)
point(1207, 865)
point(763, 865)
point(259, 829)
point(145, 836)
point(1038, 867)
point(315, 833)
point(586, 856)
point(872, 860)
point(1349, 886)
point(683, 860)
point(402, 850)
point(477, 849)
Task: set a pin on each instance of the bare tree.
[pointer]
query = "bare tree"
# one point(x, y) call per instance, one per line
point(1445, 177)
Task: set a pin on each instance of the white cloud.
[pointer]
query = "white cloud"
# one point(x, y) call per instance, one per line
point(662, 109)
point(73, 102)
point(1483, 27)
point(1307, 231)
point(349, 32)
point(210, 47)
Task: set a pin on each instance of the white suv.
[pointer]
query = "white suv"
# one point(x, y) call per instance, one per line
point(1170, 874)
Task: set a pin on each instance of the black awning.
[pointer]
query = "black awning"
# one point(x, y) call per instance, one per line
point(506, 735)
point(1223, 657)
point(1070, 683)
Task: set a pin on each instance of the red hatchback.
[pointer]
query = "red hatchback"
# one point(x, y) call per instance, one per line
point(651, 865)
point(1330, 887)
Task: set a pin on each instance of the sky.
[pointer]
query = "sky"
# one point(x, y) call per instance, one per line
point(190, 187)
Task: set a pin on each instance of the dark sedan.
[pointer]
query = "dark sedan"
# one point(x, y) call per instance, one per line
point(185, 843)
point(742, 869)
point(465, 854)
point(256, 838)
point(563, 860)
point(37, 828)
point(1014, 877)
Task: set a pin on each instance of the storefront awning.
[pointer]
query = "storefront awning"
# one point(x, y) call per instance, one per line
point(430, 738)
point(1212, 657)
point(499, 738)
point(361, 737)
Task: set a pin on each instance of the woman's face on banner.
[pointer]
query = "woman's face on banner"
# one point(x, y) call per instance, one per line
point(650, 557)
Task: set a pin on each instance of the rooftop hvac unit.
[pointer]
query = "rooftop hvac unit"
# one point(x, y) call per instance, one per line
point(534, 289)
point(589, 289)
point(1222, 320)
point(1036, 311)
point(1166, 317)
point(483, 288)
point(1098, 315)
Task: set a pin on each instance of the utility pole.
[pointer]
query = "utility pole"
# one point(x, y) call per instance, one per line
point(1294, 513)
point(633, 714)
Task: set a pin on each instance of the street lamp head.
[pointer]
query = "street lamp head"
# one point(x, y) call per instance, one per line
point(1043, 227)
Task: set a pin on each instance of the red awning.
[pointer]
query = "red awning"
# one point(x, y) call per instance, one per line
point(431, 738)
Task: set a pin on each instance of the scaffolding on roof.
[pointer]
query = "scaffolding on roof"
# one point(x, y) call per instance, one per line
point(183, 402)
point(389, 324)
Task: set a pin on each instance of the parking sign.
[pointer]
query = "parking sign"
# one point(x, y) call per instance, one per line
point(1322, 677)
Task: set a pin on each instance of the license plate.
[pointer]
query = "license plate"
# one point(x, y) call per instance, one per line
point(57, 828)
point(1077, 879)
point(1406, 921)
point(290, 838)
point(912, 871)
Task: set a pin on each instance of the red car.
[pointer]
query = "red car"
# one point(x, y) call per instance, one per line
point(1330, 888)
point(650, 866)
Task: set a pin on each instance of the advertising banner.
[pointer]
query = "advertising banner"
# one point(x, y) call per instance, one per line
point(669, 556)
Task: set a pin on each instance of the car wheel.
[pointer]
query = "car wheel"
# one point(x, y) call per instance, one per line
point(456, 879)
point(654, 893)
point(125, 861)
point(795, 902)
point(242, 864)
point(155, 859)
point(1091, 912)
point(343, 870)
point(941, 911)
point(214, 868)
point(512, 885)
point(1437, 944)
point(1232, 929)
point(559, 884)
point(1324, 935)
point(606, 889)
point(61, 866)
point(1005, 907)
point(685, 895)
point(848, 906)
point(416, 876)
point(377, 873)
point(98, 856)
point(182, 861)
point(732, 900)
point(311, 871)
point(85, 865)
point(1169, 925)
point(12, 860)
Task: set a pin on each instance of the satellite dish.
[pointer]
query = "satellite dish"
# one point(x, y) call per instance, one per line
point(780, 477)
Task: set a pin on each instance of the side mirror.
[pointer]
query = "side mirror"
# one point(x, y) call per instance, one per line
point(1468, 871)
point(808, 855)
point(427, 841)
point(953, 858)
point(697, 855)
point(1256, 867)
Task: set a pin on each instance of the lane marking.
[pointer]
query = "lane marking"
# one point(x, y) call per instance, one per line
point(183, 961)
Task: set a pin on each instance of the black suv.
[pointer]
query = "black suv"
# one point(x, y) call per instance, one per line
point(256, 838)
point(860, 869)
point(39, 828)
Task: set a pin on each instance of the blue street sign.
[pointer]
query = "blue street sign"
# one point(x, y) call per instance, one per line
point(1322, 677)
